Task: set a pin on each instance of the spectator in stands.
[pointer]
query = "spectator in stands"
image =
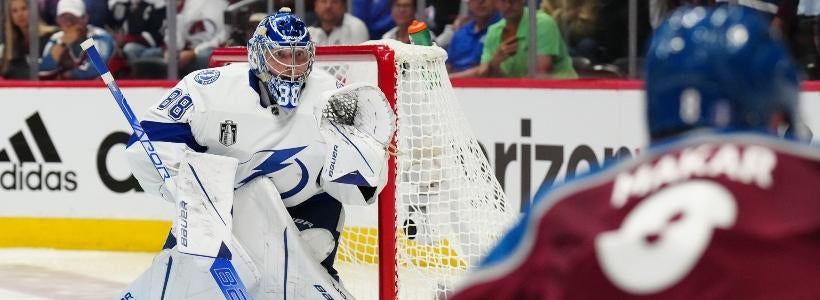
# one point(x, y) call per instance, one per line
point(577, 20)
point(97, 11)
point(98, 14)
point(505, 46)
point(13, 58)
point(200, 29)
point(374, 13)
point(579, 14)
point(464, 53)
point(403, 12)
point(63, 57)
point(766, 8)
point(780, 14)
point(442, 17)
point(138, 27)
point(334, 26)
point(308, 15)
point(660, 9)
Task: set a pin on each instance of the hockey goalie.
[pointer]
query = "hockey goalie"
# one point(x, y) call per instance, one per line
point(262, 156)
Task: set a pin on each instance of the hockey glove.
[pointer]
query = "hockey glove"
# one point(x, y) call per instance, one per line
point(357, 125)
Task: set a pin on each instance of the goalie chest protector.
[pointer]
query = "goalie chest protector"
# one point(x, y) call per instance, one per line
point(285, 146)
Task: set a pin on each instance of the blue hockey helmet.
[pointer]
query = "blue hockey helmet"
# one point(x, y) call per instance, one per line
point(281, 54)
point(719, 68)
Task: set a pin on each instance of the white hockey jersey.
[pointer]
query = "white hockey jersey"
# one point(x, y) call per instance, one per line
point(218, 111)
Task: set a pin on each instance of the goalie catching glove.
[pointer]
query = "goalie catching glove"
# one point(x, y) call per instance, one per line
point(357, 124)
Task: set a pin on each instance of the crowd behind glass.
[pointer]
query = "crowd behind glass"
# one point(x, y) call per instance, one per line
point(483, 38)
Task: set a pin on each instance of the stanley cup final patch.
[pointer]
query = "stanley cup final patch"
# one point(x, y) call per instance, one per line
point(227, 133)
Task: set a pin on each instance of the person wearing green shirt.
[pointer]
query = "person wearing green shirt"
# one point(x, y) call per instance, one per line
point(505, 47)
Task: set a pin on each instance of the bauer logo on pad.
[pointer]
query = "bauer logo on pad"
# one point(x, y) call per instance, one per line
point(227, 133)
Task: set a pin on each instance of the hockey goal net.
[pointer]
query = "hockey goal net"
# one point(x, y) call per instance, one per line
point(442, 208)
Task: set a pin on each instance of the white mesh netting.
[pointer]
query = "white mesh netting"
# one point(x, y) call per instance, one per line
point(449, 207)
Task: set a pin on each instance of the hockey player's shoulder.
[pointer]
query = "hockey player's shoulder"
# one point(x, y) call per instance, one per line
point(214, 85)
point(219, 77)
point(742, 159)
point(798, 150)
point(751, 157)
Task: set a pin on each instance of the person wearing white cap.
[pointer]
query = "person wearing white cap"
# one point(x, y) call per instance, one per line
point(62, 57)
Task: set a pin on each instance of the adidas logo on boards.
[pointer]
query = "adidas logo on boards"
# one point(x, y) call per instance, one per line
point(26, 173)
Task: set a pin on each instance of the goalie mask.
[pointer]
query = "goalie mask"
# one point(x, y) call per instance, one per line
point(281, 54)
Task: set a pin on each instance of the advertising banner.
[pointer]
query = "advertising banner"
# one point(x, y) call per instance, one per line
point(61, 155)
point(61, 149)
point(533, 137)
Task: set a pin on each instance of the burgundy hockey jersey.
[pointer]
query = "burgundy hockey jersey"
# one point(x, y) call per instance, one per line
point(711, 217)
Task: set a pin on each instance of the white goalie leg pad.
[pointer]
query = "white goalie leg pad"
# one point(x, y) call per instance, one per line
point(207, 262)
point(174, 275)
point(288, 266)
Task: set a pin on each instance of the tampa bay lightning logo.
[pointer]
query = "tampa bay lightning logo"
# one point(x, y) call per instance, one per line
point(206, 77)
point(276, 162)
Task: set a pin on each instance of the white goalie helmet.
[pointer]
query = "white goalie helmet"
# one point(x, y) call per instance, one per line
point(281, 54)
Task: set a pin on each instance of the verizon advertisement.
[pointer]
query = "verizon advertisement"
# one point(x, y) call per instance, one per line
point(534, 137)
point(61, 149)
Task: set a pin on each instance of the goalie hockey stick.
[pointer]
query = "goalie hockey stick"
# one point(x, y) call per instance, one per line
point(222, 269)
point(102, 68)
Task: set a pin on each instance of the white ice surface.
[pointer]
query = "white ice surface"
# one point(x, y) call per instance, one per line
point(45, 274)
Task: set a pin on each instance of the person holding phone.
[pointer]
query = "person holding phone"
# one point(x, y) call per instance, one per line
point(505, 47)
